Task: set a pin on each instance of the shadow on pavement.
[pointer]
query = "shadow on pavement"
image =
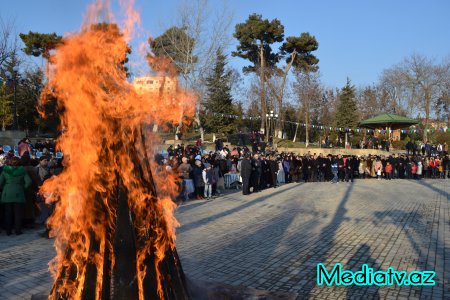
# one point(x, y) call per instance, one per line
point(204, 221)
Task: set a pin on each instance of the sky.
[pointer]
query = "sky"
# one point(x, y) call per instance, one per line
point(357, 39)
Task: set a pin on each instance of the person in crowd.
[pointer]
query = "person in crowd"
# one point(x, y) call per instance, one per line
point(246, 170)
point(409, 163)
point(334, 171)
point(281, 176)
point(45, 210)
point(349, 169)
point(198, 180)
point(208, 180)
point(313, 168)
point(24, 146)
point(414, 170)
point(388, 171)
point(433, 167)
point(273, 171)
point(440, 169)
point(256, 173)
point(426, 165)
point(286, 167)
point(362, 167)
point(199, 144)
point(219, 144)
point(30, 192)
point(378, 168)
point(184, 171)
point(14, 180)
point(306, 168)
point(341, 168)
point(321, 167)
point(446, 164)
point(439, 149)
point(419, 170)
point(265, 173)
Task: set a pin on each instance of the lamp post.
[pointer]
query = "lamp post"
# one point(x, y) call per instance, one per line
point(270, 116)
point(12, 78)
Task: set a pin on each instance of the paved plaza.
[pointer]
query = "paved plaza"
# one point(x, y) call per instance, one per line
point(274, 239)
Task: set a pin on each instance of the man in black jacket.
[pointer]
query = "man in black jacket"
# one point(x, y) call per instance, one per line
point(256, 173)
point(394, 162)
point(265, 178)
point(321, 165)
point(349, 169)
point(306, 168)
point(273, 165)
point(314, 168)
point(341, 168)
point(246, 173)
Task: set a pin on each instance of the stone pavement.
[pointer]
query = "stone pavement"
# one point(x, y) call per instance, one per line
point(274, 239)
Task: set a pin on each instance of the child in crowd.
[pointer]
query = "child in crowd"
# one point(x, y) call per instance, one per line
point(388, 171)
point(208, 179)
point(378, 168)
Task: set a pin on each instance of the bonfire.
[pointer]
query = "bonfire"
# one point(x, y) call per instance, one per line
point(113, 218)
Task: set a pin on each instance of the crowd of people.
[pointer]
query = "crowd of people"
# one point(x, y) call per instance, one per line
point(21, 174)
point(202, 172)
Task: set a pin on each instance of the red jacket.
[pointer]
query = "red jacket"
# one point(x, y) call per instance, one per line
point(414, 168)
point(388, 168)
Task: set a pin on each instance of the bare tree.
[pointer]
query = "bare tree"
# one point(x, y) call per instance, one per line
point(422, 82)
point(206, 31)
point(392, 84)
point(7, 41)
point(277, 88)
point(309, 92)
point(375, 99)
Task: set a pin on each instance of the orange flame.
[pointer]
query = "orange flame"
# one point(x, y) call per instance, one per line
point(102, 116)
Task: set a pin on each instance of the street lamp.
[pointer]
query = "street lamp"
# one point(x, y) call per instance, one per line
point(12, 78)
point(270, 116)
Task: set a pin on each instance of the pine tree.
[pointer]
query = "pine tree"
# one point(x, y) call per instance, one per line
point(219, 100)
point(347, 110)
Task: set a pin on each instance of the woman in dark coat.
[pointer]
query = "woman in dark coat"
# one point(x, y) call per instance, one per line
point(14, 180)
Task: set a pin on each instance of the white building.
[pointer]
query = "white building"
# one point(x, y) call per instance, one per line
point(155, 83)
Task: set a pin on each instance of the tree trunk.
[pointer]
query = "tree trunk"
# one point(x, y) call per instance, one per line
point(200, 127)
point(155, 127)
point(307, 128)
point(295, 135)
point(263, 92)
point(427, 114)
point(202, 133)
point(346, 140)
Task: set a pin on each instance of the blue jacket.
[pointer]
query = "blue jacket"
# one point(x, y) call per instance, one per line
point(334, 168)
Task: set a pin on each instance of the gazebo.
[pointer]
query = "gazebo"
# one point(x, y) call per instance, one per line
point(388, 122)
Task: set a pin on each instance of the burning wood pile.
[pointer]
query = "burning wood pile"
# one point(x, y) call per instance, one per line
point(113, 218)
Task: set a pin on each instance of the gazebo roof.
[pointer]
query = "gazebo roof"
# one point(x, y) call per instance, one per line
point(388, 120)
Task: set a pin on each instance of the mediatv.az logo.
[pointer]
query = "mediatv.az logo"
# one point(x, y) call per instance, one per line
point(367, 276)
